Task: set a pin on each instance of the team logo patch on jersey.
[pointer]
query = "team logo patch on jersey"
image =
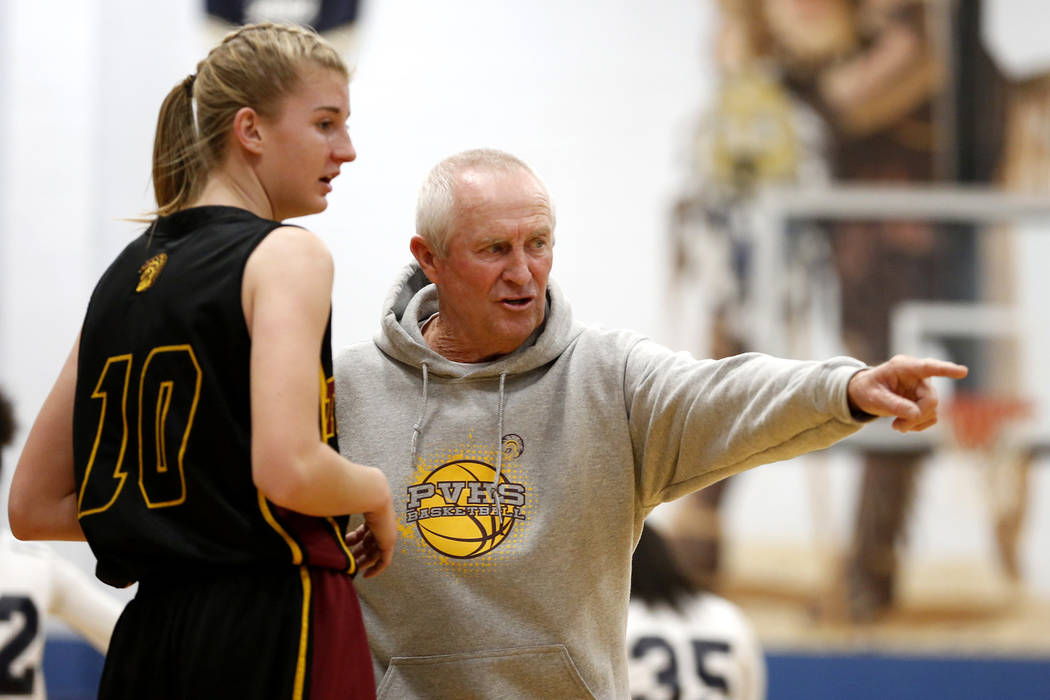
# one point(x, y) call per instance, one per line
point(150, 271)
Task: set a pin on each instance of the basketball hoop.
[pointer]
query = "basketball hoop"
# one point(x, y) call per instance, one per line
point(977, 420)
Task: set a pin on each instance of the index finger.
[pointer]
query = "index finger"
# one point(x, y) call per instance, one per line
point(942, 368)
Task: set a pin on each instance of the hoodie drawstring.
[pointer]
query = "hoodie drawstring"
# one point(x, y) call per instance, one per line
point(499, 449)
point(419, 419)
point(418, 427)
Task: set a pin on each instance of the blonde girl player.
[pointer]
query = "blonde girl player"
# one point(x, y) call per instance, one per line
point(190, 435)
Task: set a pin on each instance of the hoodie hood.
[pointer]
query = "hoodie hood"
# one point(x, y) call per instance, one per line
point(413, 299)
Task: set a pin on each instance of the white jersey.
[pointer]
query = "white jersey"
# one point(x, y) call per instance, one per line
point(35, 583)
point(707, 651)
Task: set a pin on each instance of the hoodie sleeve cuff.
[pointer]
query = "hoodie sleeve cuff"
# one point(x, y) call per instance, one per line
point(857, 414)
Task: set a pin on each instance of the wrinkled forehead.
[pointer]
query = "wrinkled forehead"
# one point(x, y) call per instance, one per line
point(483, 192)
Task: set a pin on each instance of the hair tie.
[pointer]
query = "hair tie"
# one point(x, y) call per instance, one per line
point(188, 83)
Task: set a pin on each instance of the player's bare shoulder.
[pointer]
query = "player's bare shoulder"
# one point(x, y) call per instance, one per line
point(289, 251)
point(294, 242)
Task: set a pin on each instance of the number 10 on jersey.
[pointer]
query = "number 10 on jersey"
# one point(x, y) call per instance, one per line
point(169, 386)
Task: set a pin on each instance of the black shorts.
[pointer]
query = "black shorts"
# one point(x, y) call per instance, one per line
point(290, 633)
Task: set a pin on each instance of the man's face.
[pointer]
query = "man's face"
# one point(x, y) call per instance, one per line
point(493, 281)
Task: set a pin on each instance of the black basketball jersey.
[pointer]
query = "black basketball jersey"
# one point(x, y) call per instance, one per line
point(162, 419)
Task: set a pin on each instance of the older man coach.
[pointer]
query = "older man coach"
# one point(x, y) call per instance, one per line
point(524, 450)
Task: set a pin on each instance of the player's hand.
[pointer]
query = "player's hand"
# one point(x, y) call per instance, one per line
point(901, 388)
point(372, 542)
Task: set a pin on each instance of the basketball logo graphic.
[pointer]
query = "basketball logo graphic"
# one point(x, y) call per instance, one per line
point(457, 512)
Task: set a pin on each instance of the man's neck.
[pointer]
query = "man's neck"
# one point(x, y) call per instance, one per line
point(446, 343)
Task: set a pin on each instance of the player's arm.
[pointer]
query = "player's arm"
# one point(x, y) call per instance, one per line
point(42, 502)
point(79, 603)
point(752, 663)
point(287, 300)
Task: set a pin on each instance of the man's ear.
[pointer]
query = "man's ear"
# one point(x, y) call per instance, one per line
point(425, 256)
point(246, 130)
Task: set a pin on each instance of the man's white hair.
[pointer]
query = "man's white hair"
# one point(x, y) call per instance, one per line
point(436, 204)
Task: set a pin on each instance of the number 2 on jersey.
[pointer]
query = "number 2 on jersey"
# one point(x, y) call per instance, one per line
point(170, 376)
point(17, 609)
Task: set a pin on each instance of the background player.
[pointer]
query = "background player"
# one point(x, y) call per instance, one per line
point(683, 642)
point(35, 583)
point(183, 437)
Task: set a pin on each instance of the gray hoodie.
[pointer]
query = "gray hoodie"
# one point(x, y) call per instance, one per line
point(520, 487)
